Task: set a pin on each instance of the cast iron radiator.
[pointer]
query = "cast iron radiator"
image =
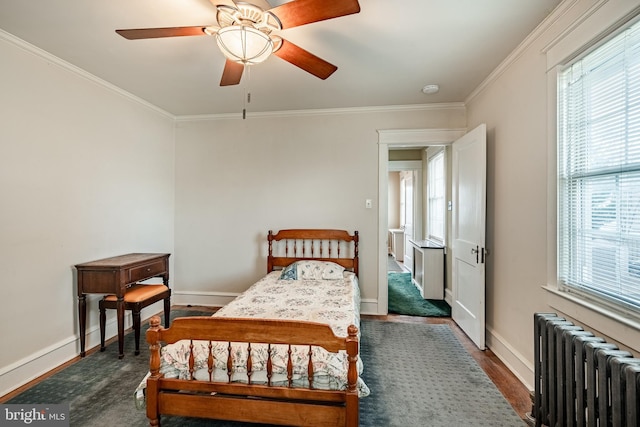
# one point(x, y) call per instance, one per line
point(580, 379)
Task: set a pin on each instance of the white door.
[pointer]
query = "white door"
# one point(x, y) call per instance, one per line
point(469, 174)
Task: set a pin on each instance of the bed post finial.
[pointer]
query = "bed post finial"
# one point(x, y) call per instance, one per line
point(153, 338)
point(154, 322)
point(356, 258)
point(356, 239)
point(270, 254)
point(154, 345)
point(352, 353)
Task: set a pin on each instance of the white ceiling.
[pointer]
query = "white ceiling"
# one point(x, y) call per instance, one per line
point(385, 54)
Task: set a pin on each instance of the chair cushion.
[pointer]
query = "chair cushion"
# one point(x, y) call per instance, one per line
point(139, 292)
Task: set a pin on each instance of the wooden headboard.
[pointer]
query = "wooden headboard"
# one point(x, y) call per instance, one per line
point(288, 246)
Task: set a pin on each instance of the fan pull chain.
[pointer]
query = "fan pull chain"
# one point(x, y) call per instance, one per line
point(247, 99)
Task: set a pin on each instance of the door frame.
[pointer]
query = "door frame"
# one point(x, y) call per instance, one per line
point(397, 138)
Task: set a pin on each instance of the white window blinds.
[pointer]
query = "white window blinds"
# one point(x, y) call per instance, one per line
point(599, 172)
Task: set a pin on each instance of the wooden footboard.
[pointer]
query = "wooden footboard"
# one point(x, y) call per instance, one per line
point(247, 401)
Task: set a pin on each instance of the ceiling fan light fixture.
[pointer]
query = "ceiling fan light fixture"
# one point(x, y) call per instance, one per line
point(244, 44)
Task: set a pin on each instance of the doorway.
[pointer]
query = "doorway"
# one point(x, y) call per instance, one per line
point(397, 139)
point(468, 223)
point(416, 288)
point(404, 219)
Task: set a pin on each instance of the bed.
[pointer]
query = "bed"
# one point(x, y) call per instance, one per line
point(258, 361)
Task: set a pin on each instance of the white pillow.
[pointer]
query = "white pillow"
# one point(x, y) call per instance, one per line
point(313, 270)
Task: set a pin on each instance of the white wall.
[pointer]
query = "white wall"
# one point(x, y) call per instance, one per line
point(517, 105)
point(237, 179)
point(85, 173)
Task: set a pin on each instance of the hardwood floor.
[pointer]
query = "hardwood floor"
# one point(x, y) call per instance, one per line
point(512, 389)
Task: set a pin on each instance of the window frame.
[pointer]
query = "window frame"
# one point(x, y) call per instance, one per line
point(619, 324)
point(589, 170)
point(431, 156)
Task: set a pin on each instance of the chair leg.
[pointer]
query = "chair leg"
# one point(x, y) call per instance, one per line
point(167, 311)
point(103, 321)
point(136, 327)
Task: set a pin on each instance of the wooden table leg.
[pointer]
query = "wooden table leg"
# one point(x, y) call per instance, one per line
point(120, 315)
point(82, 318)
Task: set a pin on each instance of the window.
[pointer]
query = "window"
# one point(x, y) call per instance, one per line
point(599, 172)
point(406, 199)
point(436, 194)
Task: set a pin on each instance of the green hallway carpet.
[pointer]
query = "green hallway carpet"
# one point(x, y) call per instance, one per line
point(404, 298)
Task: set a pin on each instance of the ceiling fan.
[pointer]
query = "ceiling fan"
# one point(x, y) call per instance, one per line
point(245, 33)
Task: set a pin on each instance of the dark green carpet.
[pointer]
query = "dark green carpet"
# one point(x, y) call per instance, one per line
point(404, 298)
point(419, 375)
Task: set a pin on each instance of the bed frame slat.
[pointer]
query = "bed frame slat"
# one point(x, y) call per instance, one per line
point(310, 368)
point(249, 363)
point(229, 362)
point(211, 362)
point(289, 367)
point(269, 364)
point(191, 360)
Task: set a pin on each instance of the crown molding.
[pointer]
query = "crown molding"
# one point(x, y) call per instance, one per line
point(327, 111)
point(52, 59)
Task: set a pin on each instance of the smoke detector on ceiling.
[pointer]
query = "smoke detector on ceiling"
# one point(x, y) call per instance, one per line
point(430, 89)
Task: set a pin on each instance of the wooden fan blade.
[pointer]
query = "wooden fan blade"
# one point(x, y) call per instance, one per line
point(301, 12)
point(153, 33)
point(305, 60)
point(232, 73)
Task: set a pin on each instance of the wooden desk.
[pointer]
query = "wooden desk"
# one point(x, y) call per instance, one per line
point(113, 276)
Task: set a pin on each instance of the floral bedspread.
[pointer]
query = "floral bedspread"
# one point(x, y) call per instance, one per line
point(335, 302)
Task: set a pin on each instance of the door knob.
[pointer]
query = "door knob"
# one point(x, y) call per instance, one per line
point(475, 251)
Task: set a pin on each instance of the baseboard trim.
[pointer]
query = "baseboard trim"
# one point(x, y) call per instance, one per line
point(369, 306)
point(31, 367)
point(448, 297)
point(37, 364)
point(513, 360)
point(43, 361)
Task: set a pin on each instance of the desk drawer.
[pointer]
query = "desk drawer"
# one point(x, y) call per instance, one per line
point(146, 271)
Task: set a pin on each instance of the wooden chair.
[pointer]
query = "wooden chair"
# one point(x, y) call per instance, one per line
point(137, 297)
